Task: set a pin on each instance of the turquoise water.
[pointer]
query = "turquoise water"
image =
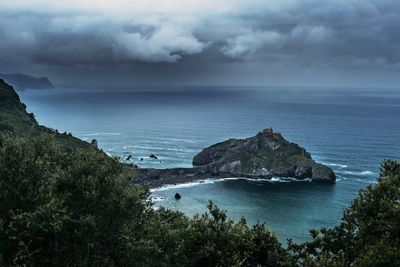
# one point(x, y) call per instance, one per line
point(350, 130)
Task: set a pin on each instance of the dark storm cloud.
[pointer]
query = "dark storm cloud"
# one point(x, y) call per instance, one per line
point(87, 39)
point(322, 32)
point(285, 34)
point(356, 31)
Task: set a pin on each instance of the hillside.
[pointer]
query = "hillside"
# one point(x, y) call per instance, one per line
point(14, 119)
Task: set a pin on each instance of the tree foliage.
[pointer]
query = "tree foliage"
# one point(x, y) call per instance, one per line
point(78, 208)
point(369, 232)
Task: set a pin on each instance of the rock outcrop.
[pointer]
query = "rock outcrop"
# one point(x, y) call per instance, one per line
point(265, 155)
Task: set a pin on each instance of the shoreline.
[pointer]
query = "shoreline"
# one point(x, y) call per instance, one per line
point(194, 183)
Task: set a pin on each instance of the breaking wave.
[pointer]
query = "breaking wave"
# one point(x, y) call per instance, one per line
point(360, 173)
point(212, 181)
point(341, 166)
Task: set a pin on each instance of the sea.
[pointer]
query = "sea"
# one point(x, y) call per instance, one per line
point(352, 130)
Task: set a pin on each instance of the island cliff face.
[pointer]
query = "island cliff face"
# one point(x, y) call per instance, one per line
point(264, 155)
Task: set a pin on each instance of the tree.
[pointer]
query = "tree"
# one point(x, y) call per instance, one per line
point(62, 208)
point(369, 232)
point(214, 240)
point(79, 208)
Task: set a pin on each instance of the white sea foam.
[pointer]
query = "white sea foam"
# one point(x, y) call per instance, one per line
point(212, 181)
point(184, 185)
point(359, 173)
point(159, 148)
point(158, 199)
point(342, 166)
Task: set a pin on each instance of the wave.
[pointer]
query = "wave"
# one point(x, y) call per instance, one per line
point(176, 140)
point(159, 148)
point(212, 181)
point(184, 185)
point(158, 199)
point(99, 134)
point(341, 166)
point(360, 173)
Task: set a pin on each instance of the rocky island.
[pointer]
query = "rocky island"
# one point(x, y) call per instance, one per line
point(263, 156)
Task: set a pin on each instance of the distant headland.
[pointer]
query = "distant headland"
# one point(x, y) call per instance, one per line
point(263, 156)
point(22, 81)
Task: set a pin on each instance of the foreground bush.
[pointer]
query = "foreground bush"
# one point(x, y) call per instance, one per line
point(78, 209)
point(369, 233)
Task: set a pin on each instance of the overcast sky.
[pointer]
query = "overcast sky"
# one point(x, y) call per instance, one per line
point(209, 42)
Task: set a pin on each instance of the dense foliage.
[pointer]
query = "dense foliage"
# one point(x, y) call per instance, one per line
point(78, 208)
point(369, 233)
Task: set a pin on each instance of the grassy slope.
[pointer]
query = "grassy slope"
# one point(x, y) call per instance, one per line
point(15, 120)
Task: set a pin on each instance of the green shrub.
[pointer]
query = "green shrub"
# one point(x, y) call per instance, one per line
point(79, 208)
point(369, 232)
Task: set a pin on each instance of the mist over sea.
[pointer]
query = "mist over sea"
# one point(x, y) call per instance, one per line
point(350, 130)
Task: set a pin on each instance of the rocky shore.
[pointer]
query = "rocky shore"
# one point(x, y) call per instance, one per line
point(262, 156)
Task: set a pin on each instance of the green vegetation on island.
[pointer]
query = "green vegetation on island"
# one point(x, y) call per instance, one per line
point(77, 207)
point(267, 154)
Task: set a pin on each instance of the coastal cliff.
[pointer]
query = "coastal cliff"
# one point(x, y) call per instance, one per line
point(262, 156)
point(15, 120)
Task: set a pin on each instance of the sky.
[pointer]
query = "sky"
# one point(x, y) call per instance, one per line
point(328, 43)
